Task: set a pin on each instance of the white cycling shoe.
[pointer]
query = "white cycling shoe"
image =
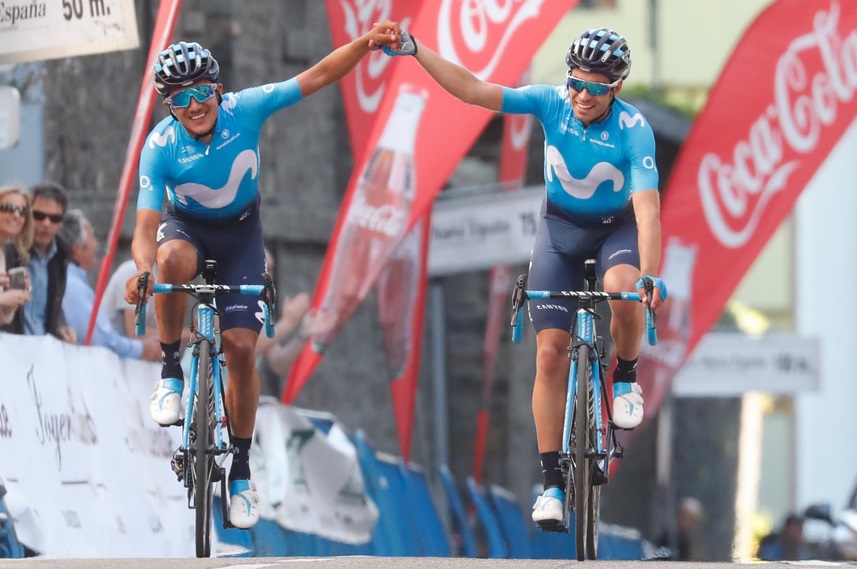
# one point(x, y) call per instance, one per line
point(166, 405)
point(243, 504)
point(627, 404)
point(548, 509)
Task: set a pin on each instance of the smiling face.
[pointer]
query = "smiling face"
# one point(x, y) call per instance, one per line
point(197, 118)
point(14, 215)
point(588, 107)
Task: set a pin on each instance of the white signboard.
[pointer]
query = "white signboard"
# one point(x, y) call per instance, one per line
point(730, 364)
point(470, 234)
point(10, 117)
point(32, 30)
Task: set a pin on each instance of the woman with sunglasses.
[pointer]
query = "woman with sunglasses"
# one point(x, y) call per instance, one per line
point(601, 202)
point(204, 158)
point(16, 227)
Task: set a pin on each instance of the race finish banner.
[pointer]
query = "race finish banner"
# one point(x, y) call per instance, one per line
point(411, 151)
point(32, 30)
point(743, 167)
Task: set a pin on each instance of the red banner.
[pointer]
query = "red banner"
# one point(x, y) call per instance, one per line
point(495, 42)
point(168, 12)
point(781, 104)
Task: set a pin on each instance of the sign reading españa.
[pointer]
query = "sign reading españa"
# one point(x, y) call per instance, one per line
point(32, 30)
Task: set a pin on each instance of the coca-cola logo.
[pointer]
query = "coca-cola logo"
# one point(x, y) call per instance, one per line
point(360, 16)
point(464, 36)
point(735, 194)
point(385, 219)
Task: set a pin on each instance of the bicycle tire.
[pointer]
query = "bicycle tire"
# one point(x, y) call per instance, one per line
point(582, 480)
point(203, 459)
point(593, 514)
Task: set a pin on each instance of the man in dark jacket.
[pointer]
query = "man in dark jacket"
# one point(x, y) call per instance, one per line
point(47, 267)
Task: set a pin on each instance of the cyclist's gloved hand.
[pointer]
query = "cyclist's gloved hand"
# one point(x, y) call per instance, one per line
point(657, 283)
point(407, 46)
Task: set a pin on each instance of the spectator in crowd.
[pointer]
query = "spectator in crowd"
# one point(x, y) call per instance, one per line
point(275, 356)
point(16, 227)
point(80, 298)
point(787, 544)
point(685, 542)
point(48, 259)
point(122, 315)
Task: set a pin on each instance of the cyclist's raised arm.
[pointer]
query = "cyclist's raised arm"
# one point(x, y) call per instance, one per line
point(342, 60)
point(144, 248)
point(458, 81)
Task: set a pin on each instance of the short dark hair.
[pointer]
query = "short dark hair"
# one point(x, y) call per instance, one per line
point(51, 191)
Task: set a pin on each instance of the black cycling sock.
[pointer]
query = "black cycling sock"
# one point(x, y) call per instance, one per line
point(551, 469)
point(171, 358)
point(626, 370)
point(240, 459)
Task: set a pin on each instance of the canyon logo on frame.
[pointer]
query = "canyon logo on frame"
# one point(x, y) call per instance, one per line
point(781, 104)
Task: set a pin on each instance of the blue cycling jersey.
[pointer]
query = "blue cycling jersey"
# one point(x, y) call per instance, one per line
point(590, 172)
point(218, 180)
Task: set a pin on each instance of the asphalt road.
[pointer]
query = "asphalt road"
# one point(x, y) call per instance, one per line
point(372, 563)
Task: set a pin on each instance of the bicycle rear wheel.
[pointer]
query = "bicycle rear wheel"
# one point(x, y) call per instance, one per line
point(203, 465)
point(582, 442)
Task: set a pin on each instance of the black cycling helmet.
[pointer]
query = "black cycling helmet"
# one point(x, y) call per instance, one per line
point(183, 64)
point(600, 50)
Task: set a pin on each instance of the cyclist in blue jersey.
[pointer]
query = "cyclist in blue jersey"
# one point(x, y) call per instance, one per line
point(204, 158)
point(601, 202)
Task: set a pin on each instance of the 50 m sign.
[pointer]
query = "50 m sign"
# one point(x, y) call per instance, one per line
point(36, 30)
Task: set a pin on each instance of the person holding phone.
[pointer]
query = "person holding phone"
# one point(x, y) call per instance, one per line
point(16, 226)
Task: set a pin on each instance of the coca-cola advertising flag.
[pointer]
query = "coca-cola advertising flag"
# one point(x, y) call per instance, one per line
point(420, 134)
point(781, 104)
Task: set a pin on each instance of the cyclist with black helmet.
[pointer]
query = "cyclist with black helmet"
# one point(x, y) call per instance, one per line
point(601, 202)
point(204, 158)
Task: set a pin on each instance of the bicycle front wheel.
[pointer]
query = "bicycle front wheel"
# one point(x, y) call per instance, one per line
point(582, 481)
point(203, 466)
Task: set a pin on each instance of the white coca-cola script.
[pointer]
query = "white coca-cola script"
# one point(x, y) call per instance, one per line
point(477, 24)
point(384, 219)
point(734, 195)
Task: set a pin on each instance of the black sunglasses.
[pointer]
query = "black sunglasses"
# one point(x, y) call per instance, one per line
point(12, 208)
point(41, 216)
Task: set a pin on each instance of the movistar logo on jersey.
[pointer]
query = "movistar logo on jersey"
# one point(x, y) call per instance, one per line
point(628, 121)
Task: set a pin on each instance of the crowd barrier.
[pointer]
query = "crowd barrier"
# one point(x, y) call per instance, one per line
point(90, 477)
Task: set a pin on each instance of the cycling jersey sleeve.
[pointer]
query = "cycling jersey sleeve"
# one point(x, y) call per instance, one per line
point(153, 167)
point(641, 155)
point(530, 99)
point(259, 103)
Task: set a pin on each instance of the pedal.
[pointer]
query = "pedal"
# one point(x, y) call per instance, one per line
point(217, 474)
point(599, 477)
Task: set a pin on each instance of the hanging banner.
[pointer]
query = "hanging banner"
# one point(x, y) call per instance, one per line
point(33, 30)
point(744, 165)
point(496, 44)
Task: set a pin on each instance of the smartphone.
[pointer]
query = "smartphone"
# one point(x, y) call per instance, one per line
point(18, 278)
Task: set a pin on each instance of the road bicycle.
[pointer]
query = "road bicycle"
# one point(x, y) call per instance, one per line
point(206, 434)
point(589, 440)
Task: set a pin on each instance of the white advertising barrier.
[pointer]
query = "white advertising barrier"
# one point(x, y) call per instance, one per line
point(310, 480)
point(88, 471)
point(728, 364)
point(32, 30)
point(478, 232)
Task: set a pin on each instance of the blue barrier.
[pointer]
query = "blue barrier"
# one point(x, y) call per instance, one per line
point(429, 527)
point(460, 523)
point(511, 523)
point(10, 547)
point(497, 547)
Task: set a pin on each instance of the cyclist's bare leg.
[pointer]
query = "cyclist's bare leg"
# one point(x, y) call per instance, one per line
point(550, 386)
point(242, 393)
point(177, 263)
point(628, 319)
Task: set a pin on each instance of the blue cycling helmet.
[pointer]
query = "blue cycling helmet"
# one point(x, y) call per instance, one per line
point(183, 64)
point(600, 50)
